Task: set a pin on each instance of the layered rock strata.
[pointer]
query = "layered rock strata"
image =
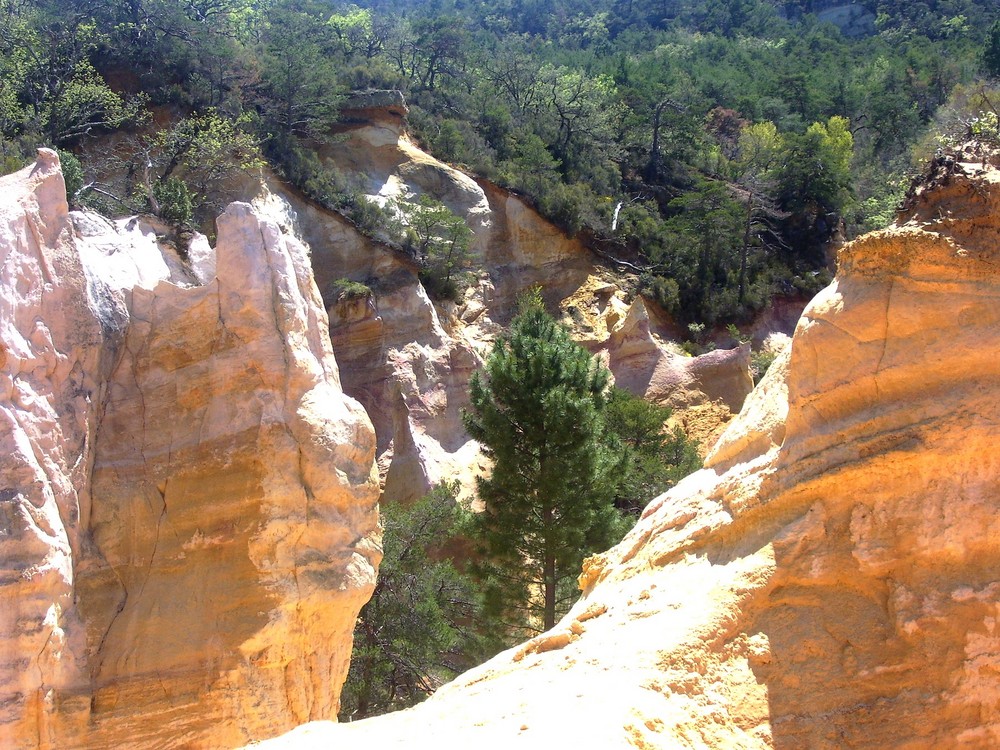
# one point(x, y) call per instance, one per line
point(189, 514)
point(831, 578)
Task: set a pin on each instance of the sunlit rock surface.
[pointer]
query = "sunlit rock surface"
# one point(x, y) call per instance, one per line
point(188, 523)
point(831, 578)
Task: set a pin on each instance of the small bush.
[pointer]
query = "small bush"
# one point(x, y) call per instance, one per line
point(661, 290)
point(15, 154)
point(760, 362)
point(986, 127)
point(174, 197)
point(72, 174)
point(444, 289)
point(345, 290)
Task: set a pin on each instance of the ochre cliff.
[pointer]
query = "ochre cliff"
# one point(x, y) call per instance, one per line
point(831, 578)
point(409, 360)
point(188, 519)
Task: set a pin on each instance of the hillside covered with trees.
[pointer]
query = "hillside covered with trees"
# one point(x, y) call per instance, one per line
point(716, 146)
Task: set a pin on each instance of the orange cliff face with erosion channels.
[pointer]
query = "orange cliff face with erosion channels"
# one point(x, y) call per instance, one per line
point(189, 522)
point(831, 578)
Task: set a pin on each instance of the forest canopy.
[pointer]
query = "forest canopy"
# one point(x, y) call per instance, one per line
point(718, 146)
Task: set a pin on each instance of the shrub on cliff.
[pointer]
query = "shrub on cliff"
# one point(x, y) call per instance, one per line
point(173, 199)
point(344, 290)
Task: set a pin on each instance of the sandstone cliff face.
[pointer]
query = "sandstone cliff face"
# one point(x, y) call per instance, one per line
point(189, 514)
point(50, 361)
point(408, 360)
point(830, 579)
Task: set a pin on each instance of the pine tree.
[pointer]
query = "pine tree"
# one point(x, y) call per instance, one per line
point(440, 240)
point(537, 414)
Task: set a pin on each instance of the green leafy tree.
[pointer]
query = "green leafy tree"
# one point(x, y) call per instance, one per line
point(581, 119)
point(299, 92)
point(536, 410)
point(50, 87)
point(653, 458)
point(16, 54)
point(760, 149)
point(191, 162)
point(440, 240)
point(702, 251)
point(816, 171)
point(207, 149)
point(532, 167)
point(416, 632)
point(84, 102)
point(428, 50)
point(359, 31)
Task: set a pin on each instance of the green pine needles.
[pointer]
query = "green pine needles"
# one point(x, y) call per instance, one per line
point(537, 413)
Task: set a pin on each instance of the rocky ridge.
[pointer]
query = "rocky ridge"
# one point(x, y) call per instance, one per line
point(830, 578)
point(188, 523)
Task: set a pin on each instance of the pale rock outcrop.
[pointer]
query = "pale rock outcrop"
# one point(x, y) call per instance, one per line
point(649, 368)
point(190, 522)
point(831, 578)
point(51, 361)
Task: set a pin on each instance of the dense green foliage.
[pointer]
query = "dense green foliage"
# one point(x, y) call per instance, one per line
point(652, 459)
point(440, 241)
point(991, 52)
point(537, 412)
point(418, 629)
point(716, 144)
point(566, 452)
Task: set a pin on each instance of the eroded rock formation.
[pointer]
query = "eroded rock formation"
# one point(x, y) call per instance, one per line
point(188, 505)
point(408, 360)
point(831, 578)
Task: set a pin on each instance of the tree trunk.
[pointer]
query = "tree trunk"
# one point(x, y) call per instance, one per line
point(549, 576)
point(653, 168)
